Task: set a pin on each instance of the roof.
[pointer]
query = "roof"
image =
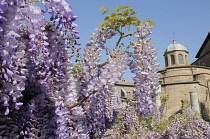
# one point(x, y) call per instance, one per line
point(175, 46)
point(201, 50)
point(124, 83)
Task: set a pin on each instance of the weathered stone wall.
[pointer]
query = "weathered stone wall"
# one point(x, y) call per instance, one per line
point(177, 82)
point(127, 91)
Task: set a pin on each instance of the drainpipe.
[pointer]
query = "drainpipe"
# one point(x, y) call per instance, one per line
point(194, 101)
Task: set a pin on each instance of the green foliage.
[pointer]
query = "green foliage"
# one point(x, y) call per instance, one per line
point(164, 99)
point(185, 105)
point(120, 122)
point(76, 70)
point(148, 124)
point(121, 17)
point(104, 10)
point(121, 20)
point(162, 125)
point(151, 23)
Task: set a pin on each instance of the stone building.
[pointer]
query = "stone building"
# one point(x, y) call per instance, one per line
point(126, 91)
point(179, 78)
point(203, 55)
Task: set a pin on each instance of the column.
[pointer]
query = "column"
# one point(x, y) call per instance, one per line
point(194, 101)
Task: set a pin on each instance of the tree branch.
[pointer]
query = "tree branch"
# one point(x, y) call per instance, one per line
point(79, 102)
point(103, 64)
point(121, 36)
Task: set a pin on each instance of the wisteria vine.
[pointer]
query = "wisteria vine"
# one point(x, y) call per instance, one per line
point(41, 96)
point(145, 70)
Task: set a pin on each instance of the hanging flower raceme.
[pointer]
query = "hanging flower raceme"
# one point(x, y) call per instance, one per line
point(3, 8)
point(98, 80)
point(90, 65)
point(27, 42)
point(62, 19)
point(145, 68)
point(55, 69)
point(39, 118)
point(35, 23)
point(13, 71)
point(12, 61)
point(112, 73)
point(92, 87)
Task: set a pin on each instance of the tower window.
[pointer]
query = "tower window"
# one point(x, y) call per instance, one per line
point(172, 60)
point(180, 59)
point(166, 60)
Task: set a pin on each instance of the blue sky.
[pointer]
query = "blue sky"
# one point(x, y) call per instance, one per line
point(189, 20)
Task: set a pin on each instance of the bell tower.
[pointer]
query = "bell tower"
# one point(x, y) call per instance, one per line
point(176, 55)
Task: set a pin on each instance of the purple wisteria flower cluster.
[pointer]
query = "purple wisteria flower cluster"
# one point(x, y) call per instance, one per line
point(129, 126)
point(145, 70)
point(188, 125)
point(41, 97)
point(37, 89)
point(34, 63)
point(13, 72)
point(99, 81)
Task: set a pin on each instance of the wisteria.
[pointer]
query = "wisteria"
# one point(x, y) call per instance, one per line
point(13, 72)
point(129, 126)
point(145, 68)
point(187, 125)
point(41, 95)
point(99, 81)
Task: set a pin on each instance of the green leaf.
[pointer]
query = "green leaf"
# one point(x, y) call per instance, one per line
point(119, 14)
point(128, 11)
point(118, 9)
point(124, 7)
point(145, 20)
point(150, 22)
point(104, 10)
point(103, 24)
point(132, 13)
point(137, 23)
point(106, 18)
point(113, 14)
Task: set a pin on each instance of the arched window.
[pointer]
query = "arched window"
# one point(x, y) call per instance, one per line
point(172, 60)
point(166, 61)
point(180, 56)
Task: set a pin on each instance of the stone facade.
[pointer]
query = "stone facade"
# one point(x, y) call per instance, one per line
point(126, 90)
point(180, 81)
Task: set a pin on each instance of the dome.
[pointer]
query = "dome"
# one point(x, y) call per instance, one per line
point(175, 46)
